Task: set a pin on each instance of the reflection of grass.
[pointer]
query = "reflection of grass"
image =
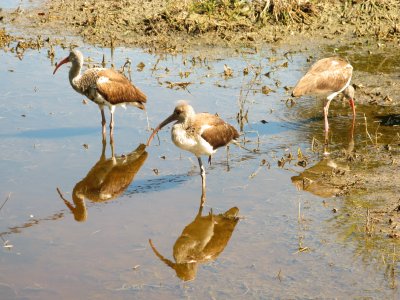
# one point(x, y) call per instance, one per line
point(357, 223)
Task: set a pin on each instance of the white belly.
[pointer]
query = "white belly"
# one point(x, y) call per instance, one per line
point(195, 144)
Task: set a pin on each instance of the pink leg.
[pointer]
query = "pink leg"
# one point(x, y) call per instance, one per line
point(112, 126)
point(103, 123)
point(203, 182)
point(326, 110)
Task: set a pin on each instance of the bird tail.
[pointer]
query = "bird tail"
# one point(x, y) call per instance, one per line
point(138, 104)
point(140, 96)
point(297, 92)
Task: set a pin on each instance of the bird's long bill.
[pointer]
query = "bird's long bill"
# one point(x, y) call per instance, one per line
point(351, 102)
point(160, 126)
point(65, 60)
point(162, 258)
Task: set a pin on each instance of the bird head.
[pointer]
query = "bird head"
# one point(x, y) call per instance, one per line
point(182, 112)
point(75, 57)
point(349, 94)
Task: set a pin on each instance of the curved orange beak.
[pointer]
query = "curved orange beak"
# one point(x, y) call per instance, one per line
point(351, 102)
point(64, 61)
point(168, 120)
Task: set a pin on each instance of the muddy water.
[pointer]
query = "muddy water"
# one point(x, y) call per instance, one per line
point(94, 243)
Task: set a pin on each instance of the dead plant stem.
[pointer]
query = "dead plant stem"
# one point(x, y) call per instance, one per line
point(8, 197)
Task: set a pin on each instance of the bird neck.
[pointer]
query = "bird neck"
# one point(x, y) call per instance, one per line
point(188, 121)
point(74, 74)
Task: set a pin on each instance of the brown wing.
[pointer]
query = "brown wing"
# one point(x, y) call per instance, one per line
point(219, 133)
point(116, 88)
point(326, 76)
point(121, 175)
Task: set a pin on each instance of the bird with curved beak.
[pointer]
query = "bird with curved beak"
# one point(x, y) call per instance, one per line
point(105, 87)
point(330, 77)
point(200, 134)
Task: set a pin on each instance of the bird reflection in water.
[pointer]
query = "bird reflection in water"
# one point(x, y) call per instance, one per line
point(107, 179)
point(312, 179)
point(201, 241)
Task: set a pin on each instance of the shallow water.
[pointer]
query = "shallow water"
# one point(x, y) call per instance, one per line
point(98, 248)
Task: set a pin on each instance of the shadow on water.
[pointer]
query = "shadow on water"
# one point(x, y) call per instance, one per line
point(274, 127)
point(389, 120)
point(160, 183)
point(30, 223)
point(201, 241)
point(106, 180)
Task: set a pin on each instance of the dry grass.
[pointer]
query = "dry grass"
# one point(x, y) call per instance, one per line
point(152, 23)
point(200, 16)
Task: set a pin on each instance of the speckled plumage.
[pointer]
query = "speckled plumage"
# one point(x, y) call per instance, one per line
point(105, 87)
point(112, 86)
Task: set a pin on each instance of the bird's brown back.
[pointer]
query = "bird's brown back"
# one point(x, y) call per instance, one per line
point(326, 76)
point(219, 133)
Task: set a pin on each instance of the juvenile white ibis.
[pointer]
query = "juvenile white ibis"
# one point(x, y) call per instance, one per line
point(200, 134)
point(105, 87)
point(329, 77)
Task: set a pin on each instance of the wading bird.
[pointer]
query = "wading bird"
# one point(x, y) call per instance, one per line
point(105, 87)
point(328, 77)
point(200, 134)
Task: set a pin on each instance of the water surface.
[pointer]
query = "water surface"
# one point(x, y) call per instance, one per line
point(50, 140)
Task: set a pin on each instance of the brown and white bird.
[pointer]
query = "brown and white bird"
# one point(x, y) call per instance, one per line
point(328, 77)
point(200, 134)
point(105, 87)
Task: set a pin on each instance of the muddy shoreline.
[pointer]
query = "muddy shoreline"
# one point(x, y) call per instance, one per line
point(370, 27)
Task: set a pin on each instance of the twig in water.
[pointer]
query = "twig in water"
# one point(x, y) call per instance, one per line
point(264, 162)
point(128, 64)
point(279, 275)
point(376, 134)
point(8, 197)
point(236, 143)
point(315, 144)
point(299, 216)
point(368, 227)
point(366, 129)
point(391, 269)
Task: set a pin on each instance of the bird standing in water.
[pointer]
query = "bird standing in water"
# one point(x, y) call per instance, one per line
point(200, 134)
point(329, 77)
point(105, 87)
